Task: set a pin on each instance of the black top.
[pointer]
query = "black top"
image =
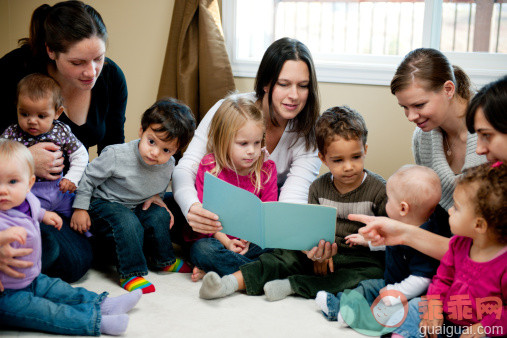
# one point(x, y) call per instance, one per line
point(106, 117)
point(403, 261)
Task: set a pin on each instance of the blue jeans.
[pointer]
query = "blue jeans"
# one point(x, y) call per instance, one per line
point(368, 288)
point(51, 305)
point(66, 254)
point(130, 231)
point(209, 254)
point(410, 327)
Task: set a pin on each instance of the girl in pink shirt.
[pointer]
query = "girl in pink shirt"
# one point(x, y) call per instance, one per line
point(471, 282)
point(235, 154)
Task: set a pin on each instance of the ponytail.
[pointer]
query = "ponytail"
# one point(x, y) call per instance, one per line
point(37, 33)
point(463, 83)
point(433, 69)
point(61, 26)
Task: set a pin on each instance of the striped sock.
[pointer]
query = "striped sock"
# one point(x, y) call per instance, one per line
point(134, 283)
point(178, 266)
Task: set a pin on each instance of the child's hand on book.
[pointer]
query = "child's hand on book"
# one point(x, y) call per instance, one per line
point(52, 218)
point(67, 186)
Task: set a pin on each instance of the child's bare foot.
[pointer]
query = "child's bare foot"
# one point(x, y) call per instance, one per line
point(197, 274)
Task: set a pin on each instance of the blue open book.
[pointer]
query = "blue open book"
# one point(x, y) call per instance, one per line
point(268, 224)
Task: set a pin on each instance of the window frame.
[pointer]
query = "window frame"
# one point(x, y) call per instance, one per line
point(373, 69)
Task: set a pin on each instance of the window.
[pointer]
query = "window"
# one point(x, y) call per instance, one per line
point(363, 41)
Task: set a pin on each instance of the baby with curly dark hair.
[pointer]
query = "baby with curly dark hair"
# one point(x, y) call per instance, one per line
point(473, 273)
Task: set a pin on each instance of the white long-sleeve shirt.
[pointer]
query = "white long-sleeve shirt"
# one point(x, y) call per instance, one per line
point(297, 167)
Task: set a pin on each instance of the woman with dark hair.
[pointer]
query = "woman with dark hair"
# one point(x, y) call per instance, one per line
point(487, 115)
point(67, 41)
point(287, 94)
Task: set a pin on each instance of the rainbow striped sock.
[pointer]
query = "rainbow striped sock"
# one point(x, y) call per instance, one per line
point(134, 283)
point(178, 266)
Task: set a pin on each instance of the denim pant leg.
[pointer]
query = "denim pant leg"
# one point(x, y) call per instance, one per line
point(368, 288)
point(410, 326)
point(66, 254)
point(51, 305)
point(128, 235)
point(254, 251)
point(158, 245)
point(209, 254)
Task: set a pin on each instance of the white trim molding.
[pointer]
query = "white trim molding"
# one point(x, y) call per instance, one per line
point(370, 69)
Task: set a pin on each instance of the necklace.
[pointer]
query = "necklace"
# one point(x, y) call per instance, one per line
point(449, 151)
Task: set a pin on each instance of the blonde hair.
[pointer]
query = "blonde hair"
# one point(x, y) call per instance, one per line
point(10, 149)
point(230, 117)
point(419, 186)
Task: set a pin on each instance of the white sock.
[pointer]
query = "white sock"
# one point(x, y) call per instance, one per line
point(321, 300)
point(277, 289)
point(341, 321)
point(215, 287)
point(120, 304)
point(114, 325)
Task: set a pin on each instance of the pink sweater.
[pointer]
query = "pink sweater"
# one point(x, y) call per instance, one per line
point(458, 275)
point(267, 193)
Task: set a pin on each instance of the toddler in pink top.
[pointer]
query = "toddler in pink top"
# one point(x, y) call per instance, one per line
point(235, 155)
point(471, 281)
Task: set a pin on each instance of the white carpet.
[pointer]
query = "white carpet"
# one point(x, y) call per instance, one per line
point(175, 310)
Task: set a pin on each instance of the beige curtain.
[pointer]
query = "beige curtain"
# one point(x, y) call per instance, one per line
point(196, 69)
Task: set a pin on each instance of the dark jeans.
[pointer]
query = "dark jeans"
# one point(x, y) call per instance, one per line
point(136, 233)
point(209, 254)
point(66, 254)
point(349, 270)
point(180, 222)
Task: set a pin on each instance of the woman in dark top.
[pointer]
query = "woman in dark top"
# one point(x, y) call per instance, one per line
point(68, 42)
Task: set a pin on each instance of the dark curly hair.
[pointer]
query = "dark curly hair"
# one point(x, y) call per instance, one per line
point(341, 121)
point(491, 195)
point(174, 118)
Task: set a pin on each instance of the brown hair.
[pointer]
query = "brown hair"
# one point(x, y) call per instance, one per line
point(175, 119)
point(60, 26)
point(491, 182)
point(340, 121)
point(432, 69)
point(274, 58)
point(38, 86)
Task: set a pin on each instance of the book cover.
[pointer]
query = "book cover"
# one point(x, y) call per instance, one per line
point(268, 224)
